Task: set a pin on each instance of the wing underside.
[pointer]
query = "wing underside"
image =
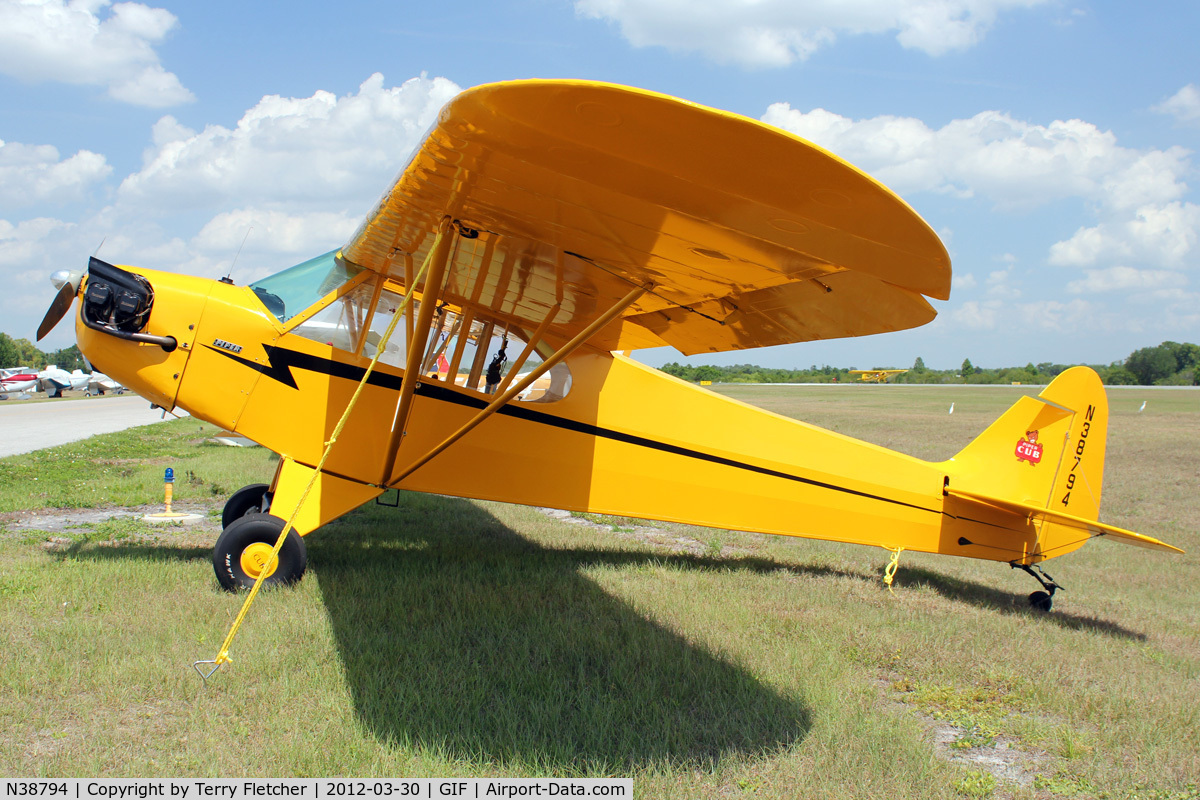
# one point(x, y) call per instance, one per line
point(567, 194)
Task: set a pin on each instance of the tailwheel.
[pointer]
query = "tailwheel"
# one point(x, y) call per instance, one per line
point(250, 499)
point(244, 548)
point(1041, 601)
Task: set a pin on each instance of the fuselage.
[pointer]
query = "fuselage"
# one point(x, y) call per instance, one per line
point(625, 439)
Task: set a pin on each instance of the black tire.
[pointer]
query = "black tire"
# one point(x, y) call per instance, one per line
point(257, 529)
point(1041, 601)
point(246, 500)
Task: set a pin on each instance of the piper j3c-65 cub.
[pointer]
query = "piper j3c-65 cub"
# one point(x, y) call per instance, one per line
point(474, 326)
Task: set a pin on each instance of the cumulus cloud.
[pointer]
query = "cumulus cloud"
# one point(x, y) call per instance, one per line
point(1138, 196)
point(1184, 105)
point(1164, 235)
point(1013, 163)
point(775, 33)
point(299, 234)
point(1126, 279)
point(76, 42)
point(298, 154)
point(31, 174)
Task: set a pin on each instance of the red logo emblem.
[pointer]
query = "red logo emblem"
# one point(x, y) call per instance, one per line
point(1028, 449)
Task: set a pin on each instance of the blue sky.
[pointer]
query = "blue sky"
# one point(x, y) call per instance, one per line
point(1051, 143)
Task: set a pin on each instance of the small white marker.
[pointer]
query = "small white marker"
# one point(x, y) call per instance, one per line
point(951, 408)
point(1143, 408)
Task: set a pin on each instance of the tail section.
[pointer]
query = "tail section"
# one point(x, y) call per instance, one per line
point(1043, 462)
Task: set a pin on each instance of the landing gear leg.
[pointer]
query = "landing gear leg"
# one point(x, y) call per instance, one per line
point(252, 499)
point(1042, 601)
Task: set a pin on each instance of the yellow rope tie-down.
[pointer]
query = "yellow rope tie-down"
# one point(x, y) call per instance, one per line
point(223, 655)
point(889, 572)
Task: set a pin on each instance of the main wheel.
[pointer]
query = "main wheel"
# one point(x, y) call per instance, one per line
point(1041, 601)
point(246, 500)
point(245, 546)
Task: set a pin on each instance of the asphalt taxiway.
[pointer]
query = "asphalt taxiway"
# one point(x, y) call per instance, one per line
point(25, 427)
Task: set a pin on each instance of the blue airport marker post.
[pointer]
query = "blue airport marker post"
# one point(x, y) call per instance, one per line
point(169, 481)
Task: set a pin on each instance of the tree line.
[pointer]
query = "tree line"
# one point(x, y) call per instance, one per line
point(1168, 364)
point(24, 353)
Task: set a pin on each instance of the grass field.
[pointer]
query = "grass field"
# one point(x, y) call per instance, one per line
point(456, 638)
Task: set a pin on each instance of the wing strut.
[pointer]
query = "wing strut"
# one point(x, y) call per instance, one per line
point(418, 338)
point(524, 383)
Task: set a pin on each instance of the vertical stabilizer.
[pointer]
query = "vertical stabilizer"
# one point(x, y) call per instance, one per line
point(1045, 451)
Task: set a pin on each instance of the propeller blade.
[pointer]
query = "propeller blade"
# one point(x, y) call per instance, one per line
point(60, 306)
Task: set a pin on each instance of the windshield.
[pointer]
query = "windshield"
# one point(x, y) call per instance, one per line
point(287, 293)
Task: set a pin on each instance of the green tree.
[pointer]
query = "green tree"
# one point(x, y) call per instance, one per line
point(29, 355)
point(919, 365)
point(1117, 375)
point(68, 358)
point(10, 356)
point(968, 369)
point(1151, 364)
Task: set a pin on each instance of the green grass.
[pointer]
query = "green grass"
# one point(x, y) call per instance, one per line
point(457, 638)
point(126, 469)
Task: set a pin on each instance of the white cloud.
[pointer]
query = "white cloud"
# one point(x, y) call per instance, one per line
point(1014, 164)
point(53, 40)
point(1126, 279)
point(977, 315)
point(1138, 195)
point(314, 153)
point(262, 230)
point(1055, 315)
point(960, 281)
point(775, 33)
point(1184, 105)
point(1162, 235)
point(31, 174)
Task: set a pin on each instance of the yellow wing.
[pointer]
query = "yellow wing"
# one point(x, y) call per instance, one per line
point(749, 235)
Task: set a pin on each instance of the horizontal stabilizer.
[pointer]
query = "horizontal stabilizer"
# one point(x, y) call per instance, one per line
point(1070, 520)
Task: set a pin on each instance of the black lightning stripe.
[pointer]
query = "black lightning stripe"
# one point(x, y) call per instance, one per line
point(281, 361)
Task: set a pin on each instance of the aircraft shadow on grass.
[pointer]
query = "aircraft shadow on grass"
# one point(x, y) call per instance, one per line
point(460, 635)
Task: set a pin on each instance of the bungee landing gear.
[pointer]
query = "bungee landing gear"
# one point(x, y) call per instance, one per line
point(252, 499)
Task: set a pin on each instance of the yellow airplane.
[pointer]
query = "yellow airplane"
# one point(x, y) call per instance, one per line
point(876, 375)
point(474, 328)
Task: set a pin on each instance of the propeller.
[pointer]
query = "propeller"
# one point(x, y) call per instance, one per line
point(67, 282)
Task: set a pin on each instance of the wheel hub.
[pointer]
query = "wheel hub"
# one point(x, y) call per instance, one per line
point(255, 557)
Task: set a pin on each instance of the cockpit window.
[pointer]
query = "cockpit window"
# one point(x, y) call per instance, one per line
point(288, 293)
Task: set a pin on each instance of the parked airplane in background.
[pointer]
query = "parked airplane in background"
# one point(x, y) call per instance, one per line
point(467, 340)
point(877, 375)
point(54, 381)
point(14, 380)
point(99, 383)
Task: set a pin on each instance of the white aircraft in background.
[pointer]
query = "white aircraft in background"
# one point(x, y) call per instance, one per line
point(14, 380)
point(99, 383)
point(53, 380)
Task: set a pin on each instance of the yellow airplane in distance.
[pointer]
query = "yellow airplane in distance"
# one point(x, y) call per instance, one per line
point(470, 339)
point(876, 375)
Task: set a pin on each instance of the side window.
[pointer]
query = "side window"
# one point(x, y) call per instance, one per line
point(470, 351)
point(342, 322)
point(385, 309)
